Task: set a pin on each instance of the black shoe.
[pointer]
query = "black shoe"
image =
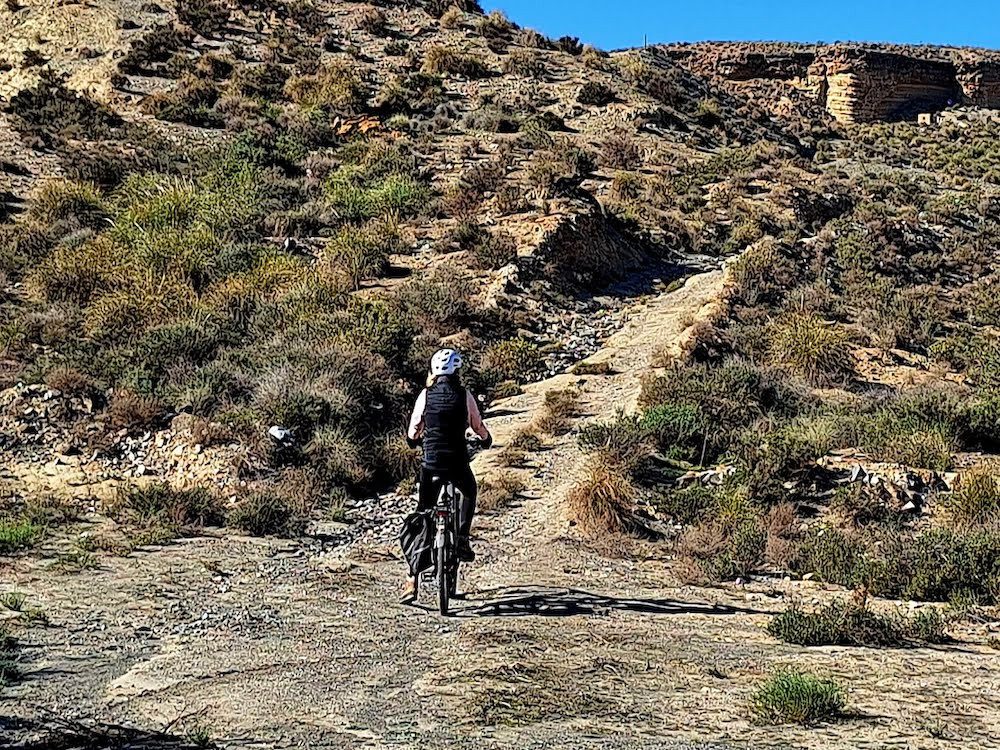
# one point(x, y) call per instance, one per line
point(465, 553)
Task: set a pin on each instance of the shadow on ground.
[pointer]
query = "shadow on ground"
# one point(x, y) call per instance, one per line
point(54, 733)
point(545, 602)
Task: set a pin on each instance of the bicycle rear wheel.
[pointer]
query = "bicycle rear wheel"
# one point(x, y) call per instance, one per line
point(443, 580)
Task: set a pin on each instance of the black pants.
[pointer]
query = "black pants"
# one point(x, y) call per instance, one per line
point(464, 481)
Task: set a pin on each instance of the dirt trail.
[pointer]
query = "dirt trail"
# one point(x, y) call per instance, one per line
point(289, 644)
point(662, 323)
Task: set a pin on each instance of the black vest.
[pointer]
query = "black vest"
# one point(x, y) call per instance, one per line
point(446, 417)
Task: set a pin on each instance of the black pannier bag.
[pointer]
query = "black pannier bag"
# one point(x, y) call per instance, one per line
point(417, 541)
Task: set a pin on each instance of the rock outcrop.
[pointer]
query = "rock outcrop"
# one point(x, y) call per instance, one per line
point(853, 83)
point(857, 85)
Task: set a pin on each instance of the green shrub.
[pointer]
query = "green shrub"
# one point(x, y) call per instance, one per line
point(622, 439)
point(975, 500)
point(516, 359)
point(731, 395)
point(790, 696)
point(676, 427)
point(762, 275)
point(411, 94)
point(355, 196)
point(439, 302)
point(362, 252)
point(10, 670)
point(17, 534)
point(812, 348)
point(596, 94)
point(931, 565)
point(688, 506)
point(265, 81)
point(62, 201)
point(855, 624)
point(832, 555)
point(267, 513)
point(396, 48)
point(160, 505)
point(338, 456)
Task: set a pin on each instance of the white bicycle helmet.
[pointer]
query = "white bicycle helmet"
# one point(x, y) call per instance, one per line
point(446, 362)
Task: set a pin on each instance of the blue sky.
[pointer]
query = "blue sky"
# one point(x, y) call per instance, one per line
point(612, 24)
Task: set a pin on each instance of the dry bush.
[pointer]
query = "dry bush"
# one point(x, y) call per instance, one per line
point(443, 60)
point(207, 17)
point(595, 58)
point(782, 536)
point(128, 410)
point(207, 433)
point(452, 18)
point(496, 24)
point(70, 381)
point(495, 250)
point(510, 199)
point(374, 21)
point(525, 63)
point(592, 368)
point(560, 407)
point(531, 38)
point(265, 513)
point(159, 505)
point(512, 457)
point(399, 459)
point(336, 86)
point(620, 151)
point(527, 439)
point(499, 493)
point(605, 500)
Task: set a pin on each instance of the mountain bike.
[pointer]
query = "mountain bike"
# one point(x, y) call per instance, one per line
point(446, 562)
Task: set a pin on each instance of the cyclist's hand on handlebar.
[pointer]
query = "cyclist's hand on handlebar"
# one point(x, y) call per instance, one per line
point(477, 442)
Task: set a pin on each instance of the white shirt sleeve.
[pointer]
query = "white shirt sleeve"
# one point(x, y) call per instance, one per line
point(416, 429)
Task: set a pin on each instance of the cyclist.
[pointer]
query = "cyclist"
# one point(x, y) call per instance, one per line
point(443, 414)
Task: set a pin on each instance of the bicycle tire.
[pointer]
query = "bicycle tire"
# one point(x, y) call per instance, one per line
point(444, 585)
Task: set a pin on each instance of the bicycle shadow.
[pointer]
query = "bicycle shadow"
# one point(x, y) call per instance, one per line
point(552, 602)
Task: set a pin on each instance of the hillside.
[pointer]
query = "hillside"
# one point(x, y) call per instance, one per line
point(730, 309)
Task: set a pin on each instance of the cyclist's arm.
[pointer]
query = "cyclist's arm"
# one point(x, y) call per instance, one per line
point(416, 428)
point(476, 418)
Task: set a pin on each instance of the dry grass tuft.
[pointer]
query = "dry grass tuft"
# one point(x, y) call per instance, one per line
point(604, 501)
point(499, 493)
point(561, 405)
